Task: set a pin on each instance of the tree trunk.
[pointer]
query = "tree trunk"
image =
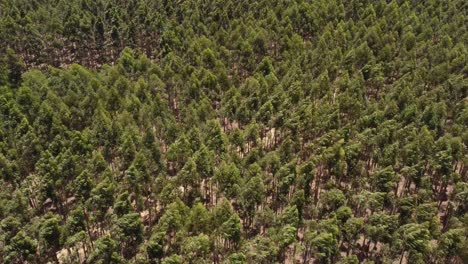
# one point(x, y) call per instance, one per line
point(402, 255)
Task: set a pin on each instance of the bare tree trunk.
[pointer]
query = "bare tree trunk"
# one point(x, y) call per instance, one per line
point(402, 255)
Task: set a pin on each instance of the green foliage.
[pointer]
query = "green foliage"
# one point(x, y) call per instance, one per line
point(20, 248)
point(326, 246)
point(105, 251)
point(414, 238)
point(233, 132)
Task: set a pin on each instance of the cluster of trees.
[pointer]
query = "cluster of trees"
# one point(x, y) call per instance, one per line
point(233, 132)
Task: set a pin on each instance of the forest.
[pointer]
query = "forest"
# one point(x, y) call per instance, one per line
point(232, 132)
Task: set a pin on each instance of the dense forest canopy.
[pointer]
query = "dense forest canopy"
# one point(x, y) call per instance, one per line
point(290, 131)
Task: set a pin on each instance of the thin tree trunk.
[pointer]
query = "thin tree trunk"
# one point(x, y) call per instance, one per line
point(402, 255)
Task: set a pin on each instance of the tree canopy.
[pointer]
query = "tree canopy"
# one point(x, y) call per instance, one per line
point(153, 132)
